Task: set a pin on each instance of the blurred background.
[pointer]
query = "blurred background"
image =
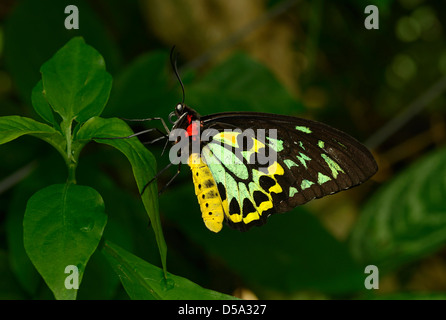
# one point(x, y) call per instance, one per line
point(312, 59)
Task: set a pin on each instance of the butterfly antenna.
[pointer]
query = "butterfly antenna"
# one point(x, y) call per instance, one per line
point(173, 62)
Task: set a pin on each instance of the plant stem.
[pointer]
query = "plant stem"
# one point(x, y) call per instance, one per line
point(71, 163)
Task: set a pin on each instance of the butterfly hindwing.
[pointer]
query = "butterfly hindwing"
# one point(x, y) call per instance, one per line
point(313, 160)
point(245, 190)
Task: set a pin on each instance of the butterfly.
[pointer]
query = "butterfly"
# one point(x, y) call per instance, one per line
point(306, 160)
point(312, 160)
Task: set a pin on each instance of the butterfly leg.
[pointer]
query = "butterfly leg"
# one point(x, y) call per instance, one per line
point(155, 140)
point(170, 181)
point(150, 119)
point(158, 174)
point(133, 135)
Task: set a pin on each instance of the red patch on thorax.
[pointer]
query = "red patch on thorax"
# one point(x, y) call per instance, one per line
point(193, 128)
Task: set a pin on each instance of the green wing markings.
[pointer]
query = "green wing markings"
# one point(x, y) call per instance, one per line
point(293, 191)
point(333, 165)
point(276, 145)
point(303, 129)
point(306, 184)
point(290, 163)
point(303, 158)
point(229, 159)
point(322, 178)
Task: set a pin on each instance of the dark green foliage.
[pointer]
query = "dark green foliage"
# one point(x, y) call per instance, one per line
point(71, 198)
point(406, 219)
point(64, 223)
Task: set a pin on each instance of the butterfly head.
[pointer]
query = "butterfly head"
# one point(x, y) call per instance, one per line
point(176, 116)
point(184, 116)
point(179, 109)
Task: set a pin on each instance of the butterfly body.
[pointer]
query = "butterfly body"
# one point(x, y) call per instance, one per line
point(207, 193)
point(283, 162)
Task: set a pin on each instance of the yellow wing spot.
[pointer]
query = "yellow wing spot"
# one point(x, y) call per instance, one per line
point(265, 205)
point(256, 145)
point(251, 217)
point(274, 169)
point(227, 137)
point(236, 218)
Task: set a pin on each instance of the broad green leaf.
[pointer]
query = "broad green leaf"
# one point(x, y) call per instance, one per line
point(12, 127)
point(63, 225)
point(143, 165)
point(240, 83)
point(291, 252)
point(144, 281)
point(40, 104)
point(75, 81)
point(406, 218)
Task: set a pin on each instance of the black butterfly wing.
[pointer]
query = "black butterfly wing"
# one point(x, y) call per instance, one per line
point(314, 159)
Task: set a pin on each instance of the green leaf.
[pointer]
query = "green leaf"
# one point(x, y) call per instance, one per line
point(240, 83)
point(13, 127)
point(40, 104)
point(63, 225)
point(143, 280)
point(406, 218)
point(75, 81)
point(143, 166)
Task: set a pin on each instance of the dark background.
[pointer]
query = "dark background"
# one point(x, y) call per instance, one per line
point(312, 59)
